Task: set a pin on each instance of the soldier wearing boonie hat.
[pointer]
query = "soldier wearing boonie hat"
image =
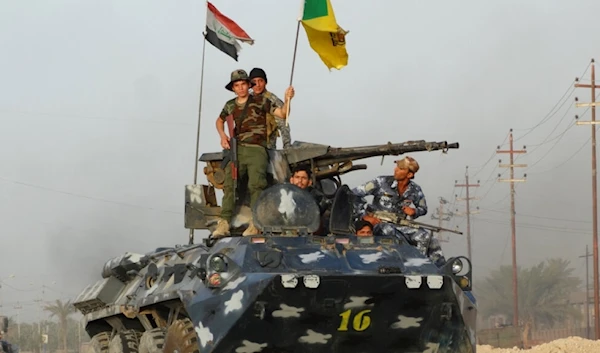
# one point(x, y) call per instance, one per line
point(398, 193)
point(238, 75)
point(250, 116)
point(408, 163)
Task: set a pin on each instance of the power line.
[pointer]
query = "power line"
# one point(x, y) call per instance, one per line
point(550, 114)
point(86, 197)
point(83, 117)
point(540, 217)
point(559, 230)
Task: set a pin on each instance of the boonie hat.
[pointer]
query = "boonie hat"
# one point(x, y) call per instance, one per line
point(408, 163)
point(238, 75)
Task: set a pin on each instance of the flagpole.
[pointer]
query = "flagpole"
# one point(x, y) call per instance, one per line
point(287, 115)
point(191, 239)
point(199, 109)
point(295, 50)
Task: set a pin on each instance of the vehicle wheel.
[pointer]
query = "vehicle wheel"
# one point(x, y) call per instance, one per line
point(152, 341)
point(181, 338)
point(126, 341)
point(99, 343)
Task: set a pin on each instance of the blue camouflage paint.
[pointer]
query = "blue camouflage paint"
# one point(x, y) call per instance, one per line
point(289, 294)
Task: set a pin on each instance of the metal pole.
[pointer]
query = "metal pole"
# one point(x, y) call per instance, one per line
point(295, 51)
point(468, 216)
point(595, 211)
point(191, 238)
point(513, 226)
point(287, 113)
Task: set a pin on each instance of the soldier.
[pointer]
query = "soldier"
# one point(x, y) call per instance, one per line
point(363, 228)
point(398, 193)
point(275, 125)
point(302, 178)
point(250, 114)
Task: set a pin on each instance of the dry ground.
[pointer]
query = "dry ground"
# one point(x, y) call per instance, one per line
point(564, 345)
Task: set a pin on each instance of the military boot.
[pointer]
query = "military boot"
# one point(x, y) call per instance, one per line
point(222, 229)
point(251, 230)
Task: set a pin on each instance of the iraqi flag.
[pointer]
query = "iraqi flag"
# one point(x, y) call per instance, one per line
point(224, 33)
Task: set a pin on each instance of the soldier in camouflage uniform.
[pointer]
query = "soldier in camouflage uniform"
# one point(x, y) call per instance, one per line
point(250, 132)
point(397, 194)
point(276, 126)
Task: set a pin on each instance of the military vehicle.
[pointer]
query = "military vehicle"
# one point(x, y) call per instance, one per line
point(287, 289)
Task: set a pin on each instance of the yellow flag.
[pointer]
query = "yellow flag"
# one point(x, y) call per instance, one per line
point(325, 36)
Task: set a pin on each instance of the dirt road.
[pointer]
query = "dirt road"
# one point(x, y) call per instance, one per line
point(565, 345)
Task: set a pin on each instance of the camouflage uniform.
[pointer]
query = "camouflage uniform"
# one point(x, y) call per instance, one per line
point(386, 198)
point(252, 154)
point(275, 125)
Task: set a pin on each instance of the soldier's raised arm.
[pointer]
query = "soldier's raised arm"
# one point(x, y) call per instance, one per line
point(281, 112)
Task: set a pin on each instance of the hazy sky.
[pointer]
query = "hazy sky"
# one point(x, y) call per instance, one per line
point(99, 105)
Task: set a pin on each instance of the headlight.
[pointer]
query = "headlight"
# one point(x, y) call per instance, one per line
point(457, 266)
point(218, 264)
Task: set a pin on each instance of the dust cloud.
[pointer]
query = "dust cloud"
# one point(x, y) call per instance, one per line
point(564, 345)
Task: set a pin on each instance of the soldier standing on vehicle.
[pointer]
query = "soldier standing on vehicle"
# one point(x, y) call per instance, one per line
point(250, 115)
point(276, 126)
point(398, 193)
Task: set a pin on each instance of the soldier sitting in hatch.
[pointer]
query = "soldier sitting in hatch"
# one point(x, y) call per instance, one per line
point(302, 178)
point(363, 228)
point(396, 194)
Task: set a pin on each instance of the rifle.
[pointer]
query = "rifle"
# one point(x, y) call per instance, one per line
point(233, 155)
point(402, 221)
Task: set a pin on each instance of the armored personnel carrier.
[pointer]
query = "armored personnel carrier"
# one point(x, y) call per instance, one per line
point(287, 289)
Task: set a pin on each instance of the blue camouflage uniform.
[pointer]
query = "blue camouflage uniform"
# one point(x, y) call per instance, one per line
point(386, 198)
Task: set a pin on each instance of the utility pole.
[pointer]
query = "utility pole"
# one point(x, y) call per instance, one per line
point(18, 307)
point(513, 224)
point(441, 217)
point(587, 293)
point(468, 213)
point(593, 87)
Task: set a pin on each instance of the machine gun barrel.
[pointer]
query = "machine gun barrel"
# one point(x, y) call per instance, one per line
point(346, 154)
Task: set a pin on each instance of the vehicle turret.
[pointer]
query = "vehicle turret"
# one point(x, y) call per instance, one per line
point(326, 162)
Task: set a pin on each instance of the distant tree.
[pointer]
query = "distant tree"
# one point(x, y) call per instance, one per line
point(62, 311)
point(543, 292)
